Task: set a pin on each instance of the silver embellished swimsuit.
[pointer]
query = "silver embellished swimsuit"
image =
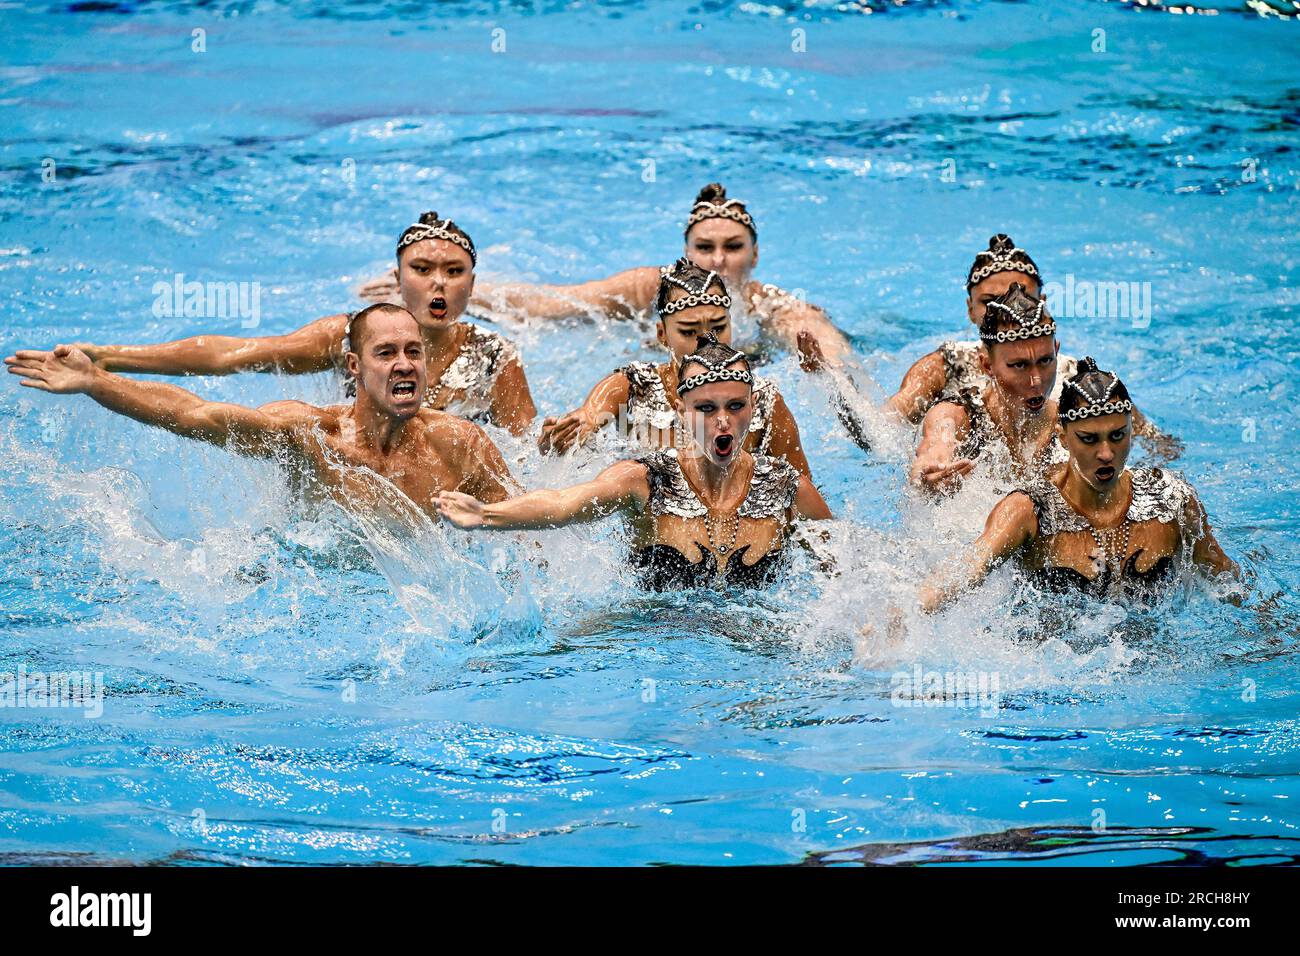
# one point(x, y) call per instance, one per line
point(473, 372)
point(648, 405)
point(1158, 495)
point(771, 494)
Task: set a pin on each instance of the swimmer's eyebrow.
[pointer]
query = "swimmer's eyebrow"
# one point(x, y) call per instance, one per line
point(426, 260)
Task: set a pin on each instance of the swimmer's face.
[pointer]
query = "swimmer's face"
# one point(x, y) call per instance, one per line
point(678, 333)
point(717, 415)
point(1099, 448)
point(436, 278)
point(723, 246)
point(389, 363)
point(1024, 371)
point(984, 292)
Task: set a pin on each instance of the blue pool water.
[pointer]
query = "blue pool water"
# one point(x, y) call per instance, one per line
point(290, 687)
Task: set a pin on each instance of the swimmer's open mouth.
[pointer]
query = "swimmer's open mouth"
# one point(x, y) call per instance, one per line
point(723, 445)
point(438, 308)
point(403, 389)
point(1105, 473)
point(1036, 403)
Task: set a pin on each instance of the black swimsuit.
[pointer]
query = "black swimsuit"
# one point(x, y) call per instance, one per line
point(1135, 583)
point(1157, 495)
point(662, 567)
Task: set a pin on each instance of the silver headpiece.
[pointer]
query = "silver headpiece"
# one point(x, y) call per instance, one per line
point(694, 298)
point(1002, 255)
point(436, 230)
point(717, 371)
point(1030, 321)
point(721, 210)
point(1102, 406)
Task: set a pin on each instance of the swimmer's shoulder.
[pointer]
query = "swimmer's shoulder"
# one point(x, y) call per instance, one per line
point(1162, 495)
point(1021, 510)
point(952, 406)
point(448, 434)
point(291, 409)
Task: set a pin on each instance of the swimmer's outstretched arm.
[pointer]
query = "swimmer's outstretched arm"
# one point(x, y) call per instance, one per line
point(625, 295)
point(809, 503)
point(1010, 526)
point(259, 432)
point(813, 360)
point(793, 318)
point(1207, 553)
point(310, 349)
point(512, 402)
point(1160, 443)
point(620, 487)
point(784, 439)
point(936, 467)
point(600, 408)
point(921, 386)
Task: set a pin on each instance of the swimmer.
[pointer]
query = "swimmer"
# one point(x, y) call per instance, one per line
point(474, 373)
point(711, 514)
point(957, 365)
point(1012, 418)
point(385, 429)
point(1092, 524)
point(692, 303)
point(720, 237)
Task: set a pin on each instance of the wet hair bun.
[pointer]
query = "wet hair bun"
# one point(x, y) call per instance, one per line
point(428, 218)
point(713, 192)
point(1001, 243)
point(1087, 365)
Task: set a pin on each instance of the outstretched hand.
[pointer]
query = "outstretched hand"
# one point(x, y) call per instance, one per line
point(381, 288)
point(561, 434)
point(942, 479)
point(811, 357)
point(64, 371)
point(462, 510)
point(870, 647)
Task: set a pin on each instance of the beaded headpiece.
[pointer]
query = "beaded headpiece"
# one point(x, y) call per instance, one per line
point(717, 369)
point(1095, 407)
point(1029, 320)
point(696, 293)
point(727, 209)
point(1002, 255)
point(436, 230)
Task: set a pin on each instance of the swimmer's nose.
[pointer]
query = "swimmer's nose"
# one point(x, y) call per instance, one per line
point(1105, 454)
